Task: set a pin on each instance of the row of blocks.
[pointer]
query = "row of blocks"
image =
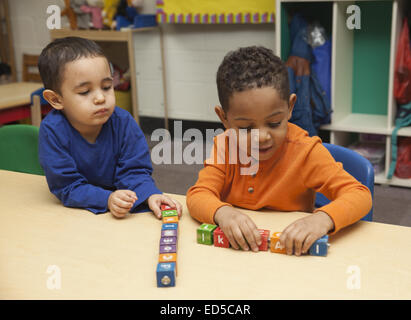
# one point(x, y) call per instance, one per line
point(167, 261)
point(211, 234)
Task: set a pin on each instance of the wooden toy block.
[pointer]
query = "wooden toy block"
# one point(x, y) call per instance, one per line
point(275, 245)
point(169, 226)
point(265, 234)
point(169, 233)
point(220, 239)
point(166, 274)
point(167, 257)
point(172, 219)
point(169, 213)
point(205, 233)
point(168, 248)
point(320, 247)
point(168, 240)
point(165, 207)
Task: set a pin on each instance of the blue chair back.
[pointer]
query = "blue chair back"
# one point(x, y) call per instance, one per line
point(356, 165)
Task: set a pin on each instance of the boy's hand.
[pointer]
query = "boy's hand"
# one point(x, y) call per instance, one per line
point(240, 230)
point(120, 202)
point(156, 200)
point(301, 234)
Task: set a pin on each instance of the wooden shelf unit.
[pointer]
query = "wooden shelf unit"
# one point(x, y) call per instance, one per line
point(362, 72)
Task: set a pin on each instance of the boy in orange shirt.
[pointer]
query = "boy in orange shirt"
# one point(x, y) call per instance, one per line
point(253, 90)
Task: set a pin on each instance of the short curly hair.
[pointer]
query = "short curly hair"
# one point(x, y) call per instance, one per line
point(249, 68)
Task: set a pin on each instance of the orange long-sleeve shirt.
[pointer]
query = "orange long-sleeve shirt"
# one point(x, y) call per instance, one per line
point(287, 181)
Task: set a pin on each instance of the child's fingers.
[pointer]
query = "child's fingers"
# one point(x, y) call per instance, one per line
point(256, 233)
point(249, 237)
point(298, 242)
point(231, 239)
point(127, 195)
point(239, 238)
point(308, 242)
point(179, 207)
point(118, 212)
point(122, 203)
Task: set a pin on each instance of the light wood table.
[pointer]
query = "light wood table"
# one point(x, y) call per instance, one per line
point(17, 95)
point(98, 256)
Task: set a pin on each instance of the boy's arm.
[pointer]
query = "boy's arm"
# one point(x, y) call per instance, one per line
point(134, 169)
point(204, 198)
point(63, 178)
point(350, 200)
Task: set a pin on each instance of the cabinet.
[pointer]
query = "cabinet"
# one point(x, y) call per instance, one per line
point(362, 74)
point(120, 48)
point(6, 39)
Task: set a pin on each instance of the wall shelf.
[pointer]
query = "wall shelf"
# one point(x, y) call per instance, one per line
point(362, 71)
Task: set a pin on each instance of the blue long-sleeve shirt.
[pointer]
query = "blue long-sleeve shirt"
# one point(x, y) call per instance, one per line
point(83, 175)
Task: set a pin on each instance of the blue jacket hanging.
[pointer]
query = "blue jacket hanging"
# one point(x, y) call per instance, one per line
point(312, 108)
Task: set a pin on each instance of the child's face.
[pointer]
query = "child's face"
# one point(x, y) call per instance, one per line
point(87, 93)
point(262, 109)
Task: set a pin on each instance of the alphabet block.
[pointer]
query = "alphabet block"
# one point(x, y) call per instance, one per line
point(166, 274)
point(220, 239)
point(265, 234)
point(172, 219)
point(169, 213)
point(165, 207)
point(168, 240)
point(169, 233)
point(205, 233)
point(320, 247)
point(169, 226)
point(167, 257)
point(168, 248)
point(275, 245)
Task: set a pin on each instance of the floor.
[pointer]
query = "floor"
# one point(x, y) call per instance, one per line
point(392, 205)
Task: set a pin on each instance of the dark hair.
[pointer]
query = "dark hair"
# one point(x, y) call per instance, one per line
point(249, 68)
point(58, 53)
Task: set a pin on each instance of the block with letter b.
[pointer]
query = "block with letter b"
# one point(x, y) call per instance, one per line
point(275, 245)
point(166, 274)
point(320, 247)
point(205, 233)
point(220, 239)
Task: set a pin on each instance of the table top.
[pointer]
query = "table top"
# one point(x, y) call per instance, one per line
point(17, 93)
point(100, 257)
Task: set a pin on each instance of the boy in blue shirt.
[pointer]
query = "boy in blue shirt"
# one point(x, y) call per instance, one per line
point(93, 153)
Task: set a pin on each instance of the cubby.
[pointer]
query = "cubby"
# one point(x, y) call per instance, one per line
point(362, 72)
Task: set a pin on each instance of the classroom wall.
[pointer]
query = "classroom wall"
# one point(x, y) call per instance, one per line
point(192, 54)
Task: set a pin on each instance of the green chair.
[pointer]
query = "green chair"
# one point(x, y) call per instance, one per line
point(19, 149)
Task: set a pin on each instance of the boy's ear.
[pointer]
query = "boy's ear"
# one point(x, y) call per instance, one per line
point(291, 104)
point(222, 116)
point(53, 98)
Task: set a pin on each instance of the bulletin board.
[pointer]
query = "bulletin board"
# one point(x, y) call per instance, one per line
point(215, 11)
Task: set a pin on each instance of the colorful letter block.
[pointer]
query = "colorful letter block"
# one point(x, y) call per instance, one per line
point(220, 239)
point(167, 257)
point(165, 207)
point(169, 233)
point(168, 240)
point(275, 245)
point(320, 247)
point(169, 213)
point(172, 219)
point(169, 226)
point(166, 274)
point(265, 234)
point(205, 233)
point(168, 248)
